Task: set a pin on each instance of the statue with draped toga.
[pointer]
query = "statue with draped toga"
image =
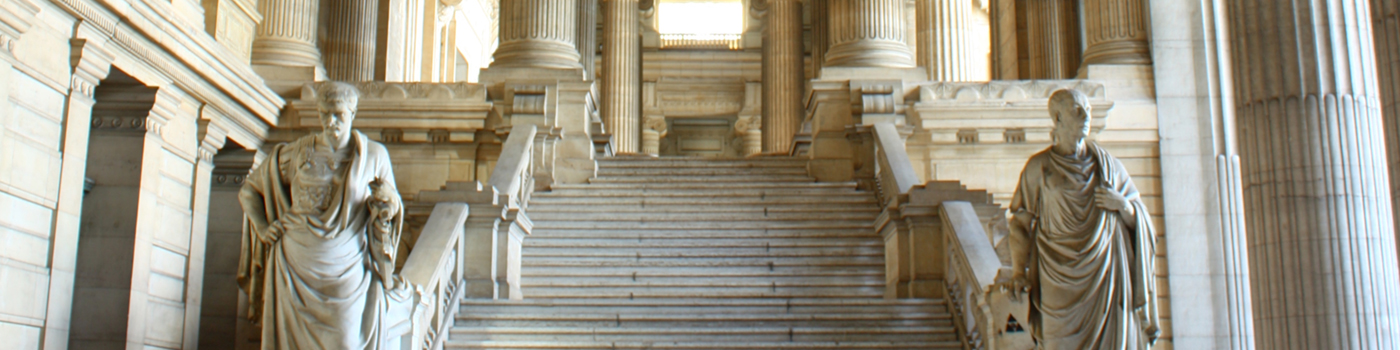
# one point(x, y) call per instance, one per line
point(323, 226)
point(1082, 242)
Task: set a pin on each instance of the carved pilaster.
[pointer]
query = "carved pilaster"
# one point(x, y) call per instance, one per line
point(287, 34)
point(538, 34)
point(1319, 223)
point(16, 16)
point(782, 75)
point(867, 33)
point(652, 131)
point(749, 129)
point(1116, 32)
point(91, 63)
point(621, 108)
point(350, 40)
point(943, 31)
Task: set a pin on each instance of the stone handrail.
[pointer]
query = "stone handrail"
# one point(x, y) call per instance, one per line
point(435, 268)
point(894, 172)
point(982, 312)
point(513, 176)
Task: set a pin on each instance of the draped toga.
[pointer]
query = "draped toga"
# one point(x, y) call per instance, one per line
point(315, 287)
point(1090, 273)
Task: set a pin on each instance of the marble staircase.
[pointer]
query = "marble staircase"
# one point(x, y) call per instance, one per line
point(691, 253)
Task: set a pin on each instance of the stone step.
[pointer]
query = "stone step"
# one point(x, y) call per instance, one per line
point(704, 233)
point(693, 162)
point(717, 217)
point(697, 243)
point(702, 191)
point(686, 179)
point(606, 304)
point(602, 208)
point(671, 225)
point(903, 334)
point(702, 262)
point(694, 293)
point(672, 317)
point(627, 282)
point(689, 272)
point(690, 253)
point(701, 204)
point(701, 171)
point(612, 345)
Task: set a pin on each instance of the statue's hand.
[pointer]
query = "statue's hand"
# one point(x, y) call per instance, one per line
point(1109, 199)
point(1014, 285)
point(273, 233)
point(383, 198)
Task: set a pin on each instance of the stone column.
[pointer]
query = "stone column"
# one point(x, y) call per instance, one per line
point(1052, 39)
point(1385, 24)
point(820, 34)
point(538, 34)
point(622, 78)
point(782, 75)
point(1115, 32)
point(287, 34)
point(867, 33)
point(943, 26)
point(350, 39)
point(1322, 247)
point(588, 37)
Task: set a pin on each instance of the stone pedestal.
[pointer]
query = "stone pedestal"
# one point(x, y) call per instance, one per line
point(1319, 221)
point(350, 39)
point(621, 78)
point(1051, 39)
point(943, 44)
point(867, 33)
point(782, 75)
point(1115, 32)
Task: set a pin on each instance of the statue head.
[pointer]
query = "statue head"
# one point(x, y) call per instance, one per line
point(337, 108)
point(1069, 109)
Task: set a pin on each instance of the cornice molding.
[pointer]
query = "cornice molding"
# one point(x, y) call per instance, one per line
point(194, 61)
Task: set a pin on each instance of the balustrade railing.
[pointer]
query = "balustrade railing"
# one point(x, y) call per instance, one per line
point(986, 316)
point(701, 41)
point(442, 261)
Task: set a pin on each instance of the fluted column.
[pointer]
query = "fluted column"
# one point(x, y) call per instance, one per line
point(1319, 223)
point(943, 38)
point(588, 37)
point(287, 34)
point(350, 39)
point(538, 34)
point(1385, 15)
point(1116, 32)
point(820, 34)
point(867, 33)
point(1052, 39)
point(782, 75)
point(622, 74)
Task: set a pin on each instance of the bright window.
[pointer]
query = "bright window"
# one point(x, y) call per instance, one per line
point(700, 23)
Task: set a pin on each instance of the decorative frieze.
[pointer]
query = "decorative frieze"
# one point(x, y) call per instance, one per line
point(461, 108)
point(998, 111)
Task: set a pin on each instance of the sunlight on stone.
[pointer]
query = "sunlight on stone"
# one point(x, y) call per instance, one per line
point(713, 17)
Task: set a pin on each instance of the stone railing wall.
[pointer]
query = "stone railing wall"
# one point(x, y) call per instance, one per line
point(436, 270)
point(986, 316)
